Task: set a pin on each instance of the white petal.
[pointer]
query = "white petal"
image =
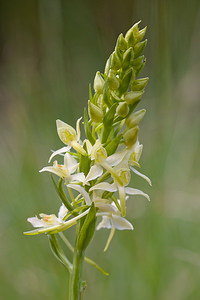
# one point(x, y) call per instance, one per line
point(82, 191)
point(105, 186)
point(89, 146)
point(132, 191)
point(70, 163)
point(104, 207)
point(80, 177)
point(59, 151)
point(142, 175)
point(53, 170)
point(121, 223)
point(62, 212)
point(78, 129)
point(95, 172)
point(116, 158)
point(105, 223)
point(36, 222)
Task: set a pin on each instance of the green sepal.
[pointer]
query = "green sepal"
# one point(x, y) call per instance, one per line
point(108, 122)
point(61, 194)
point(87, 128)
point(85, 161)
point(126, 81)
point(87, 230)
point(139, 47)
point(121, 44)
point(128, 58)
point(137, 62)
point(141, 68)
point(58, 252)
point(139, 84)
point(112, 146)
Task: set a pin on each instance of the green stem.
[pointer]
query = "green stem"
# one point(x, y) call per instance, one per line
point(75, 277)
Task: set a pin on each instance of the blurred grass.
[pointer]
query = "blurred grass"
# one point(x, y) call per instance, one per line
point(49, 52)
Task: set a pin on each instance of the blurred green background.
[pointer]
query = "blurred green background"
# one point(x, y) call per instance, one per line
point(50, 51)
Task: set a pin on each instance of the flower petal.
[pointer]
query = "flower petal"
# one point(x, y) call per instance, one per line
point(80, 177)
point(36, 222)
point(104, 186)
point(59, 151)
point(132, 191)
point(70, 163)
point(62, 212)
point(105, 223)
point(53, 170)
point(95, 172)
point(142, 175)
point(82, 191)
point(114, 159)
point(121, 223)
point(78, 129)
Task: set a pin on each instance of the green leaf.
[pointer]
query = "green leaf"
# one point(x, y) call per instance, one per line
point(87, 128)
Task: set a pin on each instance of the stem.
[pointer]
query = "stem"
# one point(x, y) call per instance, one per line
point(75, 277)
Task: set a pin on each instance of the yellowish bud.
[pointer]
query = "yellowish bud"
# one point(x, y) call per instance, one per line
point(135, 118)
point(98, 83)
point(139, 84)
point(95, 112)
point(132, 97)
point(122, 109)
point(140, 34)
point(66, 133)
point(130, 137)
point(113, 81)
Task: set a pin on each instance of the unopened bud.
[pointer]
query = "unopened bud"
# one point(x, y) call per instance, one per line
point(132, 97)
point(128, 58)
point(135, 118)
point(115, 62)
point(139, 47)
point(139, 36)
point(121, 43)
point(139, 84)
point(130, 137)
point(113, 81)
point(129, 37)
point(95, 112)
point(138, 61)
point(115, 97)
point(122, 109)
point(98, 83)
point(107, 66)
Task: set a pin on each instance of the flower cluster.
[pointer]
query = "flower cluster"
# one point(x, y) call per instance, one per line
point(96, 171)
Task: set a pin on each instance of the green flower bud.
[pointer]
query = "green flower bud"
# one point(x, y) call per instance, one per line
point(130, 137)
point(130, 35)
point(95, 112)
point(139, 84)
point(122, 109)
point(98, 83)
point(132, 97)
point(128, 58)
point(115, 62)
point(135, 118)
point(139, 36)
point(115, 97)
point(139, 47)
point(140, 68)
point(121, 43)
point(127, 80)
point(138, 61)
point(107, 66)
point(113, 81)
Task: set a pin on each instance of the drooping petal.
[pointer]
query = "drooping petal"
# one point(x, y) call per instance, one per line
point(70, 163)
point(59, 151)
point(62, 212)
point(104, 186)
point(132, 191)
point(80, 177)
point(121, 223)
point(105, 223)
point(112, 232)
point(122, 197)
point(82, 191)
point(95, 172)
point(142, 175)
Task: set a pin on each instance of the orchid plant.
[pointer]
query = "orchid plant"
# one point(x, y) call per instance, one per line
point(94, 177)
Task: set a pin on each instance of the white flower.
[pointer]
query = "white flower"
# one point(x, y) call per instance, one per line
point(52, 224)
point(66, 170)
point(101, 161)
point(70, 137)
